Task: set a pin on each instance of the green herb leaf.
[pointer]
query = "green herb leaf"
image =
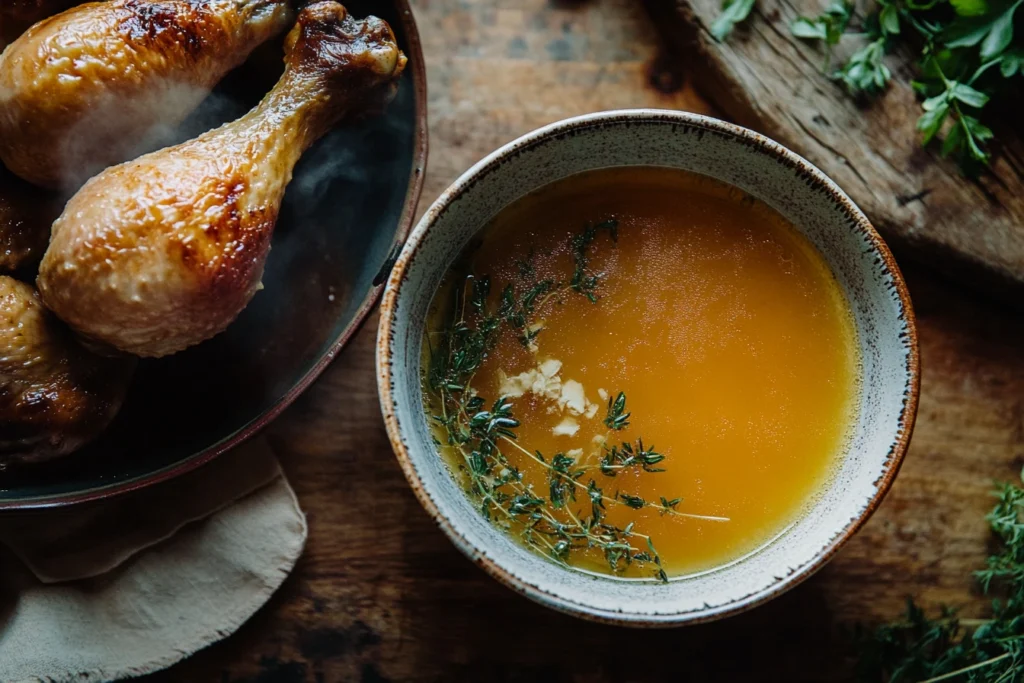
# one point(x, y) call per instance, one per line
point(733, 12)
point(954, 140)
point(931, 121)
point(1012, 62)
point(582, 281)
point(889, 20)
point(804, 27)
point(617, 418)
point(828, 26)
point(968, 95)
point(976, 132)
point(1000, 34)
point(865, 73)
point(966, 33)
point(993, 29)
point(970, 8)
point(635, 502)
point(921, 648)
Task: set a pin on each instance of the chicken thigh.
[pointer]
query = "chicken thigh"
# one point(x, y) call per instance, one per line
point(104, 81)
point(54, 394)
point(26, 214)
point(163, 252)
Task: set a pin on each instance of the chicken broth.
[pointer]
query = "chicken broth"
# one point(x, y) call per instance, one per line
point(641, 371)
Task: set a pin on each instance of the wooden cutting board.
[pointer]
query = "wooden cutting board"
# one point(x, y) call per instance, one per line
point(766, 79)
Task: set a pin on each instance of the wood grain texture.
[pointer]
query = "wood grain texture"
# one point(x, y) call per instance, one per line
point(381, 595)
point(765, 78)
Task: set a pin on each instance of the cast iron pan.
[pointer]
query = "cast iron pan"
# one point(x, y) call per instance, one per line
point(350, 203)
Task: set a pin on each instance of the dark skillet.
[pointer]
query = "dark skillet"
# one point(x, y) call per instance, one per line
point(351, 201)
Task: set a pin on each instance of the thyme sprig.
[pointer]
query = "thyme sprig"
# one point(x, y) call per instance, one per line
point(626, 455)
point(947, 648)
point(617, 417)
point(583, 280)
point(482, 436)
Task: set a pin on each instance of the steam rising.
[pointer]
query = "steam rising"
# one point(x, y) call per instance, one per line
point(118, 129)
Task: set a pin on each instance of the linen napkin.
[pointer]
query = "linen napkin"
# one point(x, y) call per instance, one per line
point(128, 586)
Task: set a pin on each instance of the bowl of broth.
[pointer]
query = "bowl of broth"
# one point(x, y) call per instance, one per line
point(647, 367)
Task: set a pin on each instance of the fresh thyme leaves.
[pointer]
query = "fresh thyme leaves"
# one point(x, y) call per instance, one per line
point(623, 456)
point(921, 649)
point(518, 311)
point(970, 58)
point(583, 281)
point(482, 437)
point(635, 502)
point(667, 504)
point(526, 269)
point(617, 417)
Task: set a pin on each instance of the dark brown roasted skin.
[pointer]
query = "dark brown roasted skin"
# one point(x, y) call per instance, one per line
point(54, 394)
point(26, 214)
point(163, 252)
point(106, 81)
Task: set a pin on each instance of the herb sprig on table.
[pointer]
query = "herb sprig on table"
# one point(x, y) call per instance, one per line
point(482, 433)
point(971, 60)
point(919, 648)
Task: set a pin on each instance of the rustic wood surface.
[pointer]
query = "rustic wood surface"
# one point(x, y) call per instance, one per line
point(381, 595)
point(767, 79)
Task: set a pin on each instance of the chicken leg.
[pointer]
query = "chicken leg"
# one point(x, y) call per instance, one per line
point(102, 82)
point(54, 394)
point(163, 252)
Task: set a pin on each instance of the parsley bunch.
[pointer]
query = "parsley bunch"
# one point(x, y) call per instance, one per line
point(918, 648)
point(971, 58)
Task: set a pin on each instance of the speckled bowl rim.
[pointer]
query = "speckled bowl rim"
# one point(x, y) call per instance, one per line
point(490, 164)
point(413, 49)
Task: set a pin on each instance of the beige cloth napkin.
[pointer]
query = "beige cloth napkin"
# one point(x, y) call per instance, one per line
point(129, 586)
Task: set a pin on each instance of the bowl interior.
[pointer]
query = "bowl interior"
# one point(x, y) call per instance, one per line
point(351, 199)
point(859, 260)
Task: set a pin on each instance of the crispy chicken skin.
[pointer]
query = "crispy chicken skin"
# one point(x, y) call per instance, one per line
point(104, 81)
point(26, 214)
point(163, 252)
point(54, 394)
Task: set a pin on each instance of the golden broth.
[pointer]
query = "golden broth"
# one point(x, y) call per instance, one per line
point(723, 326)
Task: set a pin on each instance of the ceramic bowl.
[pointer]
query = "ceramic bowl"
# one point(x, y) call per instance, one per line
point(858, 257)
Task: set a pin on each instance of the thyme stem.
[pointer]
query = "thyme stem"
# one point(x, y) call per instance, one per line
point(616, 501)
point(972, 667)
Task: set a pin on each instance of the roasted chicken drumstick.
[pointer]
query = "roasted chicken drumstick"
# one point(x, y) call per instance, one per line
point(54, 394)
point(163, 252)
point(104, 81)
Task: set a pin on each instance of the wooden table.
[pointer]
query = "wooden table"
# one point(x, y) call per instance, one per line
point(381, 595)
